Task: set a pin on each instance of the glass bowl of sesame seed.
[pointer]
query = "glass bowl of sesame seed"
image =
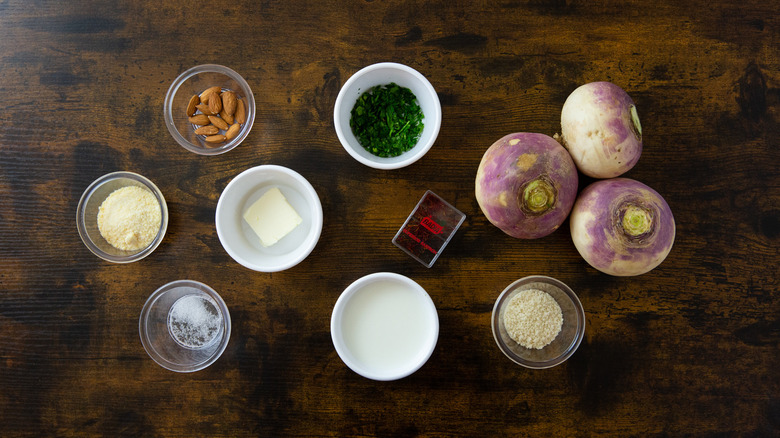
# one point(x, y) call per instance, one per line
point(538, 322)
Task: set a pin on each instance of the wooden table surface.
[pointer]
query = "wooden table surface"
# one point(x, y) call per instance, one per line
point(691, 348)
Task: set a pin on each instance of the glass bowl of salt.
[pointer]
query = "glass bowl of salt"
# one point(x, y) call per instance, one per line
point(184, 326)
point(538, 322)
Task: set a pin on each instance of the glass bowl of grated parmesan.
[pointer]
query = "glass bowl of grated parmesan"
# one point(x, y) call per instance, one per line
point(538, 322)
point(122, 217)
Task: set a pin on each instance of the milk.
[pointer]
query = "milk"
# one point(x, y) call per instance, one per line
point(388, 327)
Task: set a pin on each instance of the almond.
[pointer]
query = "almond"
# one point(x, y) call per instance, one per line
point(219, 123)
point(204, 96)
point(204, 108)
point(199, 119)
point(226, 117)
point(229, 102)
point(215, 103)
point(232, 131)
point(191, 107)
point(207, 130)
point(240, 112)
point(219, 138)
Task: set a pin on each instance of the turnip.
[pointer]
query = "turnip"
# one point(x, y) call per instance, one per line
point(600, 128)
point(622, 227)
point(526, 185)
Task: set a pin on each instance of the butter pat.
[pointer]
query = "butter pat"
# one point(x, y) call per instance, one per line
point(272, 217)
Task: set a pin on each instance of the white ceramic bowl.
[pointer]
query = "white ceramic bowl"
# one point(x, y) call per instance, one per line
point(383, 74)
point(238, 238)
point(384, 326)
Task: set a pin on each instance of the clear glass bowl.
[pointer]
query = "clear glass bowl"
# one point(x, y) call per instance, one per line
point(87, 212)
point(567, 341)
point(187, 350)
point(195, 81)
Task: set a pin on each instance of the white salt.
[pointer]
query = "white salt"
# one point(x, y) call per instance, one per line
point(194, 321)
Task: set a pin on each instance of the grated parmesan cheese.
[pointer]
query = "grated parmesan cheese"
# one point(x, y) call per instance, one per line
point(129, 219)
point(533, 318)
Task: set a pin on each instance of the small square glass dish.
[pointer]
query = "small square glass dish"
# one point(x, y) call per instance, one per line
point(194, 82)
point(563, 345)
point(89, 206)
point(428, 229)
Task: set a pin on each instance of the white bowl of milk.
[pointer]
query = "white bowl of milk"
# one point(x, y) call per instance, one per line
point(384, 326)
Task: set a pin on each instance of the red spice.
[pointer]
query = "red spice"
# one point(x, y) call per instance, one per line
point(429, 228)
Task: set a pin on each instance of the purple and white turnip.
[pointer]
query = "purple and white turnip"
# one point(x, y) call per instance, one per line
point(622, 227)
point(526, 184)
point(600, 128)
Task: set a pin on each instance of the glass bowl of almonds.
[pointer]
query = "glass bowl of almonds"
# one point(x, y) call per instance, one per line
point(209, 109)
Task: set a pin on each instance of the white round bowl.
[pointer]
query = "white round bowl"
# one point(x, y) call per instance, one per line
point(384, 326)
point(238, 238)
point(383, 74)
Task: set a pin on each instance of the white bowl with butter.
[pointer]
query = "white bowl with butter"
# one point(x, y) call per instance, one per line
point(269, 218)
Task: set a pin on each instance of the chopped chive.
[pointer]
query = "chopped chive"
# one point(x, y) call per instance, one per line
point(387, 120)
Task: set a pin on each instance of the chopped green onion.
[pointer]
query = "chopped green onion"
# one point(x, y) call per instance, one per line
point(387, 120)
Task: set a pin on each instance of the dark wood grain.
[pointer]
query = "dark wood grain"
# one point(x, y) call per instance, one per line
point(691, 348)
